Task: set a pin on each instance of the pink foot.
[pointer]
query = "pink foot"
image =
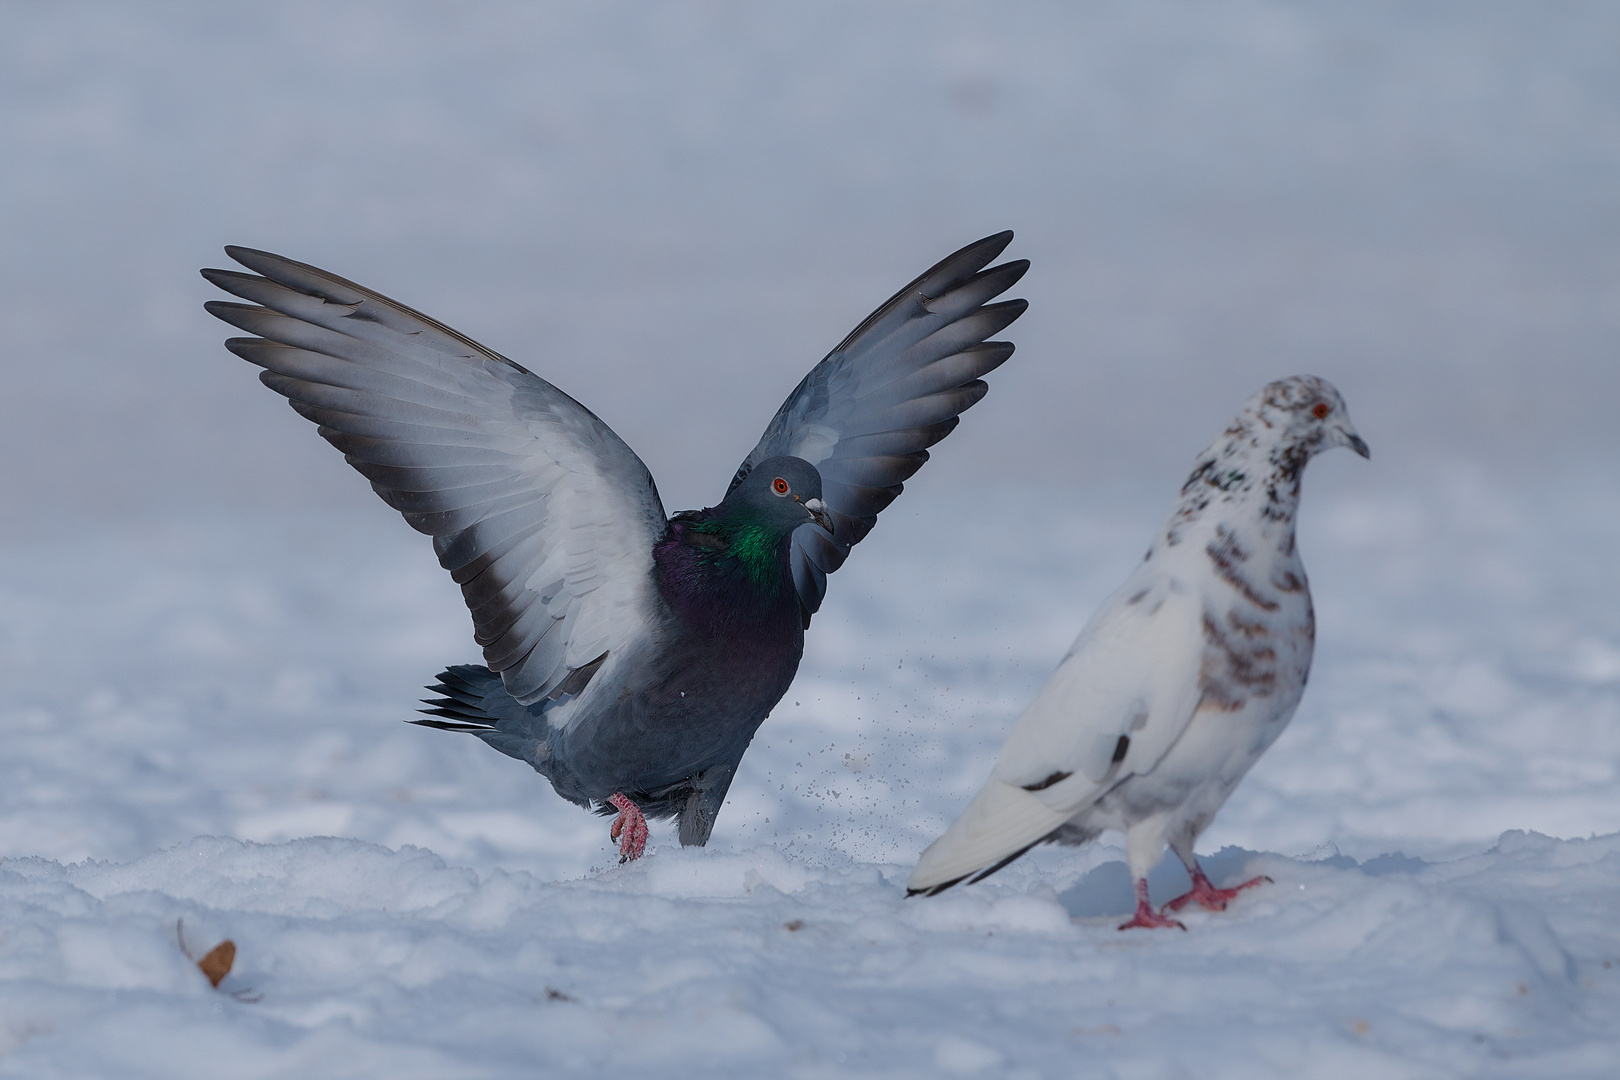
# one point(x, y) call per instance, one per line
point(1208, 895)
point(629, 828)
point(1145, 916)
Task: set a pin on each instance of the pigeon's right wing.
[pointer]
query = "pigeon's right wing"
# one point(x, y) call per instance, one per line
point(898, 384)
point(542, 515)
point(1116, 704)
point(1118, 700)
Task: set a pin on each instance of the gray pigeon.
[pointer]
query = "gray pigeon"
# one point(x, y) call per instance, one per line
point(1182, 678)
point(631, 657)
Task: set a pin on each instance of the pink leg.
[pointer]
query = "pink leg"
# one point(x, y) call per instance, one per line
point(1208, 895)
point(1145, 916)
point(629, 828)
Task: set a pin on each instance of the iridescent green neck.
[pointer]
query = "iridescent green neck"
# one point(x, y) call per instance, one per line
point(749, 547)
point(755, 551)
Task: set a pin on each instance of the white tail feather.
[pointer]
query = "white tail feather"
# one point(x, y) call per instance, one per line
point(1002, 819)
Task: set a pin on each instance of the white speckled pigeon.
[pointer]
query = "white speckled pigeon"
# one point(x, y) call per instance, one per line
point(631, 657)
point(1182, 678)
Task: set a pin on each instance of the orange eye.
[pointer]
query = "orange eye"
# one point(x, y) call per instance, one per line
point(780, 486)
point(1321, 410)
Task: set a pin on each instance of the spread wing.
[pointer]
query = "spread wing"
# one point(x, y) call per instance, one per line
point(1116, 704)
point(866, 414)
point(542, 515)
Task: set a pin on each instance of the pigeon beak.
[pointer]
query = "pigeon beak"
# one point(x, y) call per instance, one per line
point(1346, 432)
point(818, 513)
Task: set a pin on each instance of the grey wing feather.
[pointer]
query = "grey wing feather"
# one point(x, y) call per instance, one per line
point(542, 515)
point(866, 414)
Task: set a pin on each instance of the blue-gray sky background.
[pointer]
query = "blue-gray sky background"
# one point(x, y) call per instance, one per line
point(672, 211)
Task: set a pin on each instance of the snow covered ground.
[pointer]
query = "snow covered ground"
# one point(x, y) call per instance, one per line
point(204, 723)
point(210, 631)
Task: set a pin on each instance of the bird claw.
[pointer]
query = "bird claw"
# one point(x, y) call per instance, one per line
point(629, 828)
point(1146, 918)
point(1151, 920)
point(1208, 896)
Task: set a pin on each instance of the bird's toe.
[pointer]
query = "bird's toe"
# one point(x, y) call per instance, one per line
point(629, 828)
point(1151, 920)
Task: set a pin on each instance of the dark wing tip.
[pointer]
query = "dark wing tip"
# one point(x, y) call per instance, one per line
point(935, 890)
point(982, 874)
point(1014, 270)
point(225, 278)
point(979, 253)
point(237, 251)
point(275, 267)
point(995, 354)
point(246, 348)
point(311, 280)
point(218, 308)
point(998, 241)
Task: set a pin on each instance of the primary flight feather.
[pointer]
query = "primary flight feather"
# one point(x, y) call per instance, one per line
point(1182, 678)
point(629, 657)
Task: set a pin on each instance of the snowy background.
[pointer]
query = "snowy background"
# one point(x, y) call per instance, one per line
point(210, 629)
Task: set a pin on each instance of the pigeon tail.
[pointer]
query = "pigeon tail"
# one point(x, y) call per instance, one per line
point(474, 699)
point(464, 704)
point(1001, 823)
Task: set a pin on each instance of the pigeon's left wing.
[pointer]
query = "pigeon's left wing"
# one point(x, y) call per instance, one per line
point(866, 414)
point(542, 515)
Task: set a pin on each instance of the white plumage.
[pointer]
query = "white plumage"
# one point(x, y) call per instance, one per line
point(1182, 678)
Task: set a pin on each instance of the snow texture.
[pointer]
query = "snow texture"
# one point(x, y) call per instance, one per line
point(241, 709)
point(210, 629)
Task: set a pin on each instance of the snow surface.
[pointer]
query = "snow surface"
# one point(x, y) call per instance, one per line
point(356, 960)
point(210, 630)
point(205, 725)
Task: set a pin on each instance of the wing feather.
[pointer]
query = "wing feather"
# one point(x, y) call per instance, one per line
point(540, 512)
point(867, 413)
point(921, 411)
point(1133, 671)
point(1127, 675)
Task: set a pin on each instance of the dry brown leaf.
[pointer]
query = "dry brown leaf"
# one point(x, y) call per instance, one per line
point(217, 964)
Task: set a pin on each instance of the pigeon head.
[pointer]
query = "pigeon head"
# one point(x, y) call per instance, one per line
point(777, 496)
point(749, 530)
point(1262, 455)
point(1303, 415)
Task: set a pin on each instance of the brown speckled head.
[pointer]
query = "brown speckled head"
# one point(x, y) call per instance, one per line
point(1297, 417)
point(1265, 448)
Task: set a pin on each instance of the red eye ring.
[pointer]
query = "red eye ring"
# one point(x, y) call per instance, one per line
point(780, 486)
point(1321, 410)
